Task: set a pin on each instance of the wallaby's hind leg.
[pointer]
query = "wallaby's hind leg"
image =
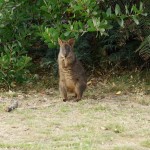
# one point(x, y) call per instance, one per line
point(63, 91)
point(79, 89)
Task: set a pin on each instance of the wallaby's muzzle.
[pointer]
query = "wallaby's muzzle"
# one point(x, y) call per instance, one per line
point(65, 55)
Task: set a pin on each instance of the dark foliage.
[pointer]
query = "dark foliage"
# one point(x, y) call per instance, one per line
point(108, 34)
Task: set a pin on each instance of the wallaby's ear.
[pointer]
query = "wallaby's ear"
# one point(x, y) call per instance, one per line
point(60, 41)
point(71, 42)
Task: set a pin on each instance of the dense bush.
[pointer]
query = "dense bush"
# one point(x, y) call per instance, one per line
point(75, 18)
point(107, 33)
point(15, 37)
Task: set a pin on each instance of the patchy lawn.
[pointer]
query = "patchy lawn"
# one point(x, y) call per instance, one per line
point(107, 118)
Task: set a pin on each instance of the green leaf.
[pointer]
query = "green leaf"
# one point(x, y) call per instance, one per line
point(126, 8)
point(67, 33)
point(144, 14)
point(96, 22)
point(108, 12)
point(71, 27)
point(117, 9)
point(121, 22)
point(135, 20)
point(94, 13)
point(80, 24)
point(91, 29)
point(77, 7)
point(134, 9)
point(90, 25)
point(75, 26)
point(141, 6)
point(102, 30)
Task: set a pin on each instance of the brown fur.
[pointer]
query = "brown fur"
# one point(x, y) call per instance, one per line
point(71, 72)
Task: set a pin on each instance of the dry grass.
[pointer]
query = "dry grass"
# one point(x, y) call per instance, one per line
point(104, 120)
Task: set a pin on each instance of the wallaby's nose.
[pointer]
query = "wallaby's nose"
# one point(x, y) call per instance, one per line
point(65, 54)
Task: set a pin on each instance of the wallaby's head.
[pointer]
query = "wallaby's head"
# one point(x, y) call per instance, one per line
point(66, 47)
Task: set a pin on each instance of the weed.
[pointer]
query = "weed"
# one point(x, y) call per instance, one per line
point(117, 128)
point(146, 143)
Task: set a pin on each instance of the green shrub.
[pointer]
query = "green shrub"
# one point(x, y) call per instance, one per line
point(102, 30)
point(75, 18)
point(13, 67)
point(15, 38)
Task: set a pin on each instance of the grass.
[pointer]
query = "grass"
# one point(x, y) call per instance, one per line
point(129, 82)
point(143, 100)
point(123, 148)
point(102, 120)
point(146, 143)
point(82, 125)
point(1, 108)
point(65, 108)
point(21, 146)
point(117, 128)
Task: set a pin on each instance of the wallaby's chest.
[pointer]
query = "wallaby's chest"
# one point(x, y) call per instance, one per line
point(68, 73)
point(69, 78)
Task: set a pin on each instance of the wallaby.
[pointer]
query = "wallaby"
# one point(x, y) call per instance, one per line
point(72, 76)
